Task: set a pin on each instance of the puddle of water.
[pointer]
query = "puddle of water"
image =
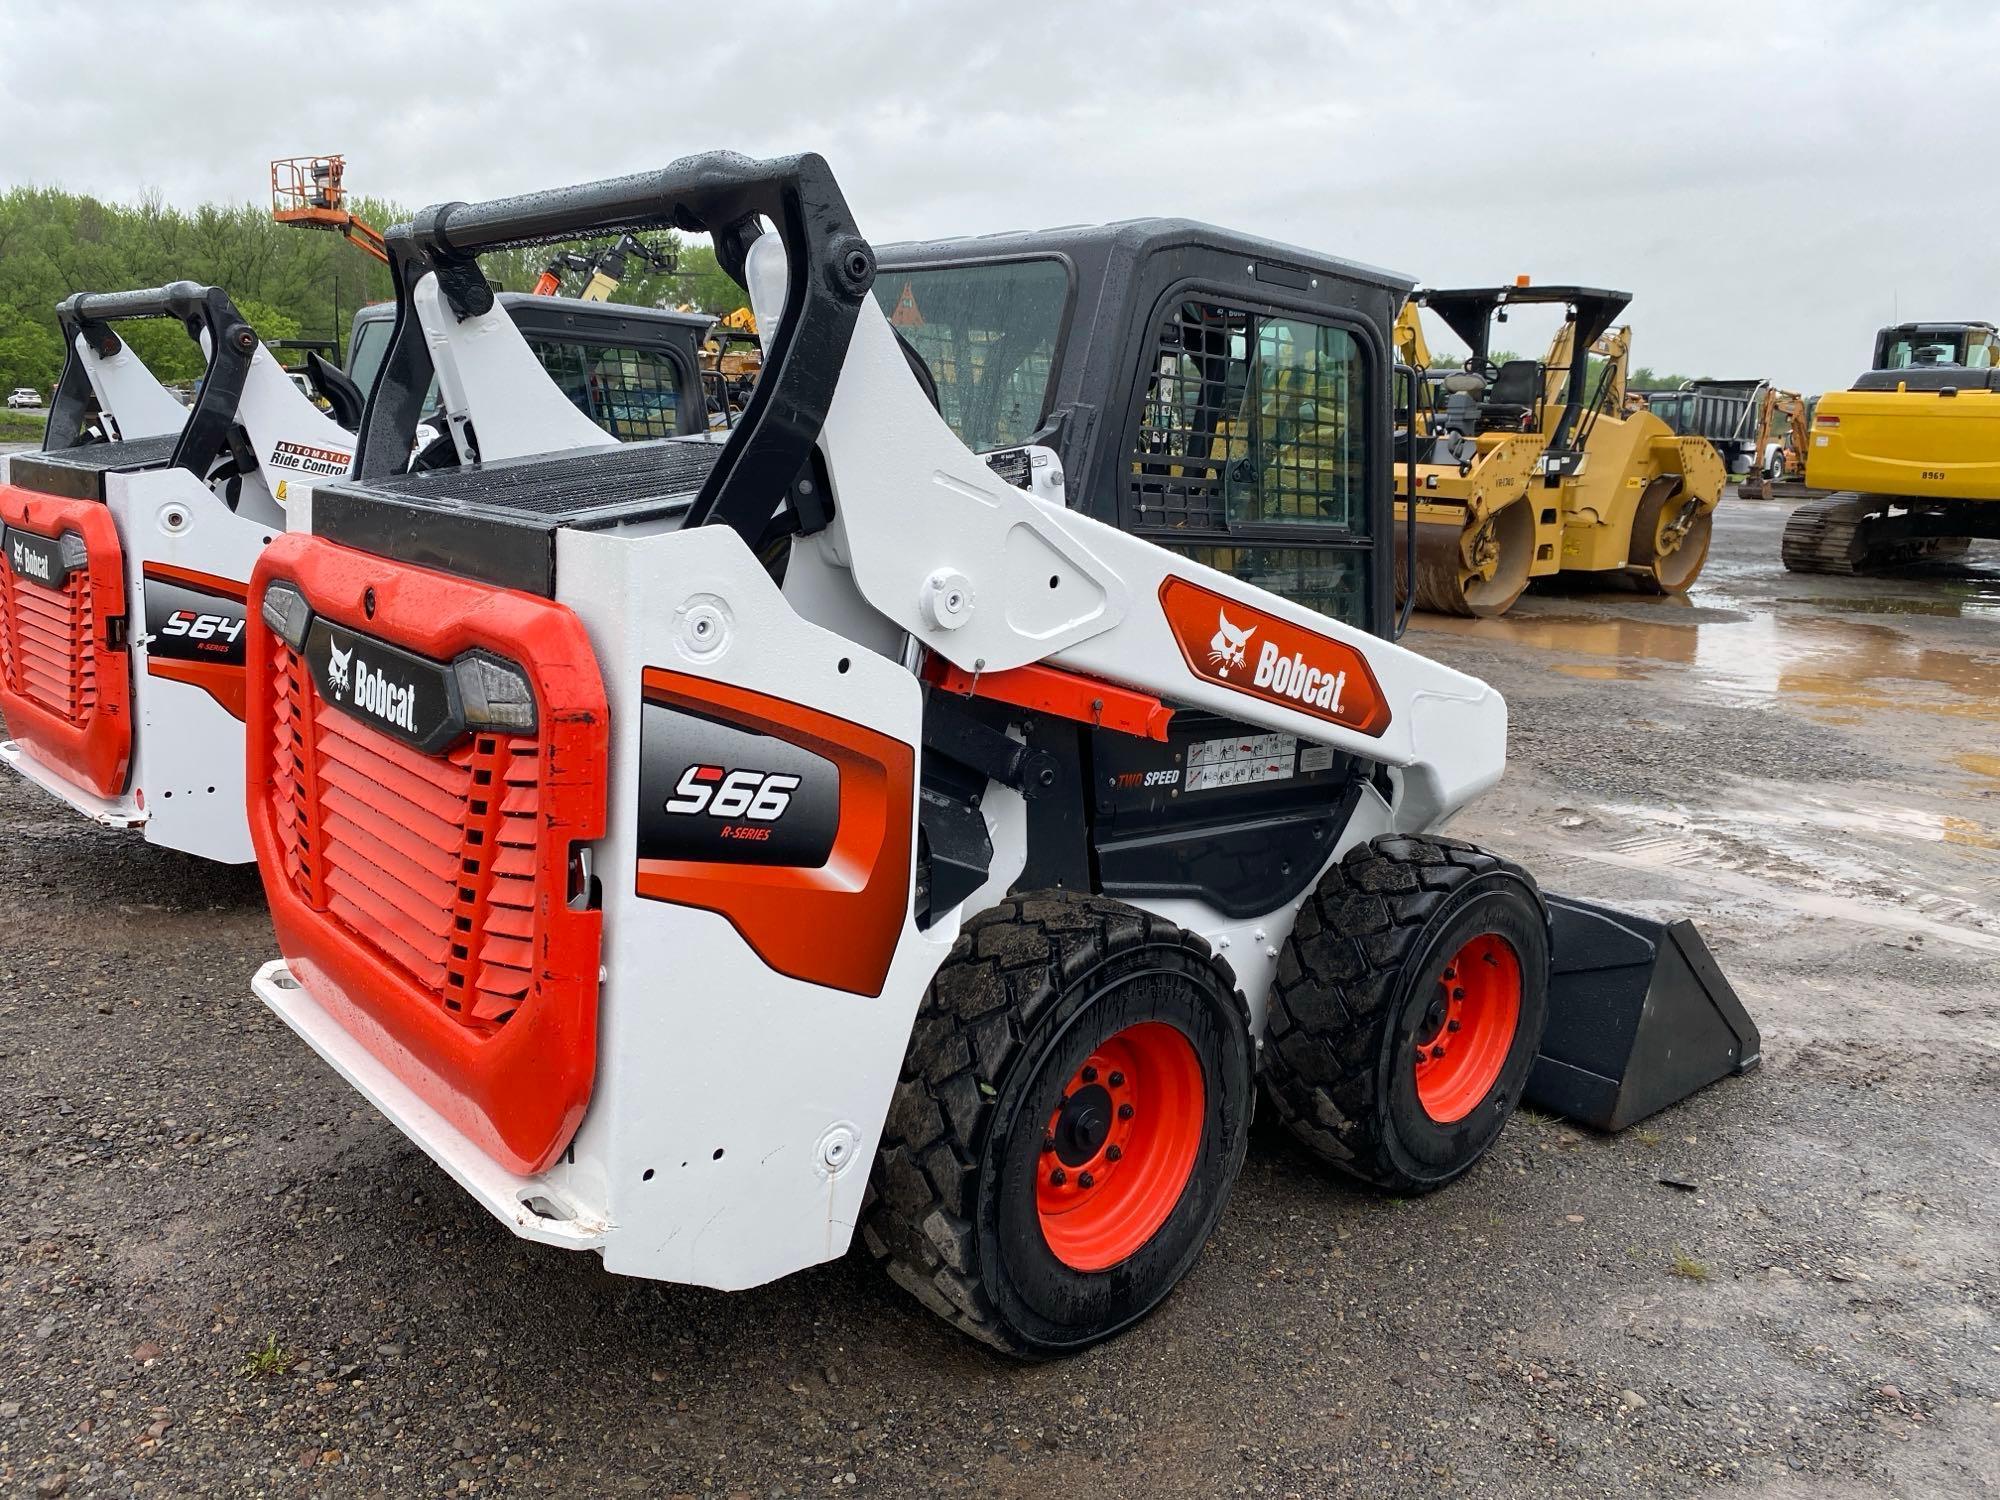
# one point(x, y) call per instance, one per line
point(1777, 852)
point(1820, 662)
point(1958, 604)
point(1603, 671)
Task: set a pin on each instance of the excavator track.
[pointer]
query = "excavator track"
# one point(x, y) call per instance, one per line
point(1825, 535)
point(1845, 533)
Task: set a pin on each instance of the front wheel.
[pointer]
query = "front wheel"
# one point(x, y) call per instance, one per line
point(1072, 1113)
point(1409, 1006)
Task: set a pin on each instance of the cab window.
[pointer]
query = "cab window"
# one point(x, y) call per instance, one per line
point(988, 334)
point(371, 343)
point(1250, 453)
point(630, 393)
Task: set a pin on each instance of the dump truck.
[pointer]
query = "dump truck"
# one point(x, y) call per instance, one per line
point(1009, 850)
point(1527, 470)
point(1909, 455)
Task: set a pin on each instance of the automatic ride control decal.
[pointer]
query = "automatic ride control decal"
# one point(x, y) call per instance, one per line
point(1240, 647)
point(302, 458)
point(195, 633)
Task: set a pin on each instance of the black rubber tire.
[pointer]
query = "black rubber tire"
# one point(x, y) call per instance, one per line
point(1354, 980)
point(1030, 988)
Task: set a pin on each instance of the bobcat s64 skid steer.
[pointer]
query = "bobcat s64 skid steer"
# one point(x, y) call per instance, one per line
point(121, 600)
point(129, 542)
point(706, 852)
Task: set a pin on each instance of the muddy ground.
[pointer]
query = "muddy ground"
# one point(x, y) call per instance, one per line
point(222, 1275)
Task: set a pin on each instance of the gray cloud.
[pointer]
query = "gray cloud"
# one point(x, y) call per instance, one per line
point(1771, 181)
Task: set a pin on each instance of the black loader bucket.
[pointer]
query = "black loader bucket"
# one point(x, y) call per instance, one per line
point(1640, 1017)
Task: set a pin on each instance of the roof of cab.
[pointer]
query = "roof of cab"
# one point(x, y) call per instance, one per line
point(1136, 237)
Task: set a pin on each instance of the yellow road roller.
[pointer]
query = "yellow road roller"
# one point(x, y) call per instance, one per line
point(1522, 468)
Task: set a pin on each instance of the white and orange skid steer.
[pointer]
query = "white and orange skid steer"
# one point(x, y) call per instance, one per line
point(662, 836)
point(128, 547)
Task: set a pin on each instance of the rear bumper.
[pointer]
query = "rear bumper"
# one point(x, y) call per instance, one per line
point(112, 812)
point(503, 1194)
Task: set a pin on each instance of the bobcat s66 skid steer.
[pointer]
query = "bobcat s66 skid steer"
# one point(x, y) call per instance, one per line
point(707, 852)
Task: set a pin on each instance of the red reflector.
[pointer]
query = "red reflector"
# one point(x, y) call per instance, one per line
point(1820, 421)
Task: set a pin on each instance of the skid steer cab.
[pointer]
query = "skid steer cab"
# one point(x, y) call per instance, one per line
point(709, 852)
point(128, 547)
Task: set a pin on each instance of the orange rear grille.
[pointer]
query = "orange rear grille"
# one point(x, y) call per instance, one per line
point(45, 644)
point(430, 859)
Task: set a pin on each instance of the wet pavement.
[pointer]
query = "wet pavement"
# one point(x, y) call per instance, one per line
point(224, 1275)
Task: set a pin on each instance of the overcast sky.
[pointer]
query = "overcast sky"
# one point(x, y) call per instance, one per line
point(1771, 181)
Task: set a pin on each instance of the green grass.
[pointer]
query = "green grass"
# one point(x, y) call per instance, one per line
point(1687, 1267)
point(22, 426)
point(272, 1359)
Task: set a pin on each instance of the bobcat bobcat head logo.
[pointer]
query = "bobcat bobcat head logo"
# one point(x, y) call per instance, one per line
point(1226, 649)
point(336, 669)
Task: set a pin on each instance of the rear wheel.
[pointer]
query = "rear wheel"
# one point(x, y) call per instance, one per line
point(1409, 1006)
point(1072, 1113)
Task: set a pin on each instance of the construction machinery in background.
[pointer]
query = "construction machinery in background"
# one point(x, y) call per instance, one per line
point(731, 359)
point(1023, 848)
point(311, 191)
point(1527, 469)
point(1908, 457)
point(1784, 431)
point(603, 270)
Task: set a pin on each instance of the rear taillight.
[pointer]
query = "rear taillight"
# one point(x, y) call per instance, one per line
point(1826, 421)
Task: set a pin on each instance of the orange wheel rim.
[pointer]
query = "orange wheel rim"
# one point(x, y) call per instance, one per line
point(1118, 1151)
point(1468, 1028)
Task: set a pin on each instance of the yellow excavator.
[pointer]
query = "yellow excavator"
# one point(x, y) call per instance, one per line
point(1521, 470)
point(1910, 454)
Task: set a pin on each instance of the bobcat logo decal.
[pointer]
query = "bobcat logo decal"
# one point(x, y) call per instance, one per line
point(336, 669)
point(1226, 648)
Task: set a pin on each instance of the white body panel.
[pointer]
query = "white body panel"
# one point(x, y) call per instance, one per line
point(187, 749)
point(691, 1020)
point(671, 1173)
point(129, 393)
point(485, 367)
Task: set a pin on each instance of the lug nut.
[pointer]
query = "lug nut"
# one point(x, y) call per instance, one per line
point(1058, 1177)
point(1048, 1143)
point(1090, 1075)
point(1124, 1111)
point(1437, 1051)
point(1448, 1026)
point(1117, 1080)
point(1458, 993)
point(1114, 1153)
point(1451, 974)
point(1084, 1180)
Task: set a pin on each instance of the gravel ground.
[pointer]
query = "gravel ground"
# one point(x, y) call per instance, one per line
point(222, 1275)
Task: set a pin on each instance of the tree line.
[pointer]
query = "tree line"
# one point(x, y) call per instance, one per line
point(289, 282)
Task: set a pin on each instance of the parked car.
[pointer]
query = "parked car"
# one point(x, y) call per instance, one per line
point(24, 395)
